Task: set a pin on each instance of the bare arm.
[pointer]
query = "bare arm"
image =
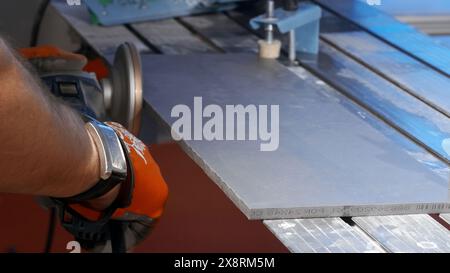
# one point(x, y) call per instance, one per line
point(44, 148)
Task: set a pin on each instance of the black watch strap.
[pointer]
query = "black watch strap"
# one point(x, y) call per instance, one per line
point(90, 233)
point(99, 189)
point(113, 161)
point(103, 186)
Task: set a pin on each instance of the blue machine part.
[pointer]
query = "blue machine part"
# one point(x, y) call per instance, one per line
point(305, 21)
point(82, 92)
point(113, 12)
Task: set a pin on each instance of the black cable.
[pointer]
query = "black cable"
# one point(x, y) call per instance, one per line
point(51, 230)
point(117, 231)
point(37, 23)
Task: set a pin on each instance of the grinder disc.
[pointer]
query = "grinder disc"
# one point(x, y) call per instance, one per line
point(126, 94)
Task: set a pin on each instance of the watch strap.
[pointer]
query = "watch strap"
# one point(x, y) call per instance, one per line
point(99, 189)
point(113, 159)
point(104, 186)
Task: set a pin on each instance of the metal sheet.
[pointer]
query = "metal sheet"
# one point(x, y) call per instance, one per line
point(415, 77)
point(324, 235)
point(446, 217)
point(408, 233)
point(223, 32)
point(287, 230)
point(410, 115)
point(403, 111)
point(334, 158)
point(403, 36)
point(170, 37)
point(103, 39)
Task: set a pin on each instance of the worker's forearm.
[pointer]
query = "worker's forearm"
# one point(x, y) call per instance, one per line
point(44, 148)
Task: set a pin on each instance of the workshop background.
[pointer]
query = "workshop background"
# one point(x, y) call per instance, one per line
point(363, 120)
point(198, 217)
point(17, 25)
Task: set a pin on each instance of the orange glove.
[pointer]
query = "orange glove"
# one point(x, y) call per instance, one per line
point(49, 59)
point(149, 194)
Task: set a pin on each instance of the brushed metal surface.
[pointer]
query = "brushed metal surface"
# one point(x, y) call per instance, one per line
point(407, 233)
point(403, 70)
point(406, 93)
point(104, 40)
point(384, 26)
point(409, 114)
point(170, 37)
point(334, 158)
point(223, 32)
point(322, 235)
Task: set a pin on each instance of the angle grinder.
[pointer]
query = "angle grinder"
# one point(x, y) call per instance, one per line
point(115, 98)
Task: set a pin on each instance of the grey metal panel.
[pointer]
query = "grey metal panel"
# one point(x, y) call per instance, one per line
point(170, 37)
point(410, 115)
point(446, 217)
point(405, 112)
point(324, 235)
point(403, 36)
point(103, 39)
point(405, 71)
point(334, 158)
point(285, 229)
point(407, 233)
point(223, 32)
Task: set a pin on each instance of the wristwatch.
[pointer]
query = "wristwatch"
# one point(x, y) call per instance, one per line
point(113, 162)
point(113, 171)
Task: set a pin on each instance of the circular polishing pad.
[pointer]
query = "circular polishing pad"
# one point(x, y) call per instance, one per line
point(126, 88)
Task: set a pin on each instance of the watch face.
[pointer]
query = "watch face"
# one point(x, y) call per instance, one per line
point(111, 153)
